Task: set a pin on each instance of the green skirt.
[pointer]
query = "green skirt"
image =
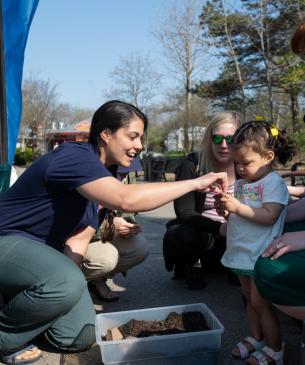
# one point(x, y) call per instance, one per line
point(282, 281)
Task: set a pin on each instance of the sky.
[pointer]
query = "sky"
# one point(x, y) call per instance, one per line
point(75, 44)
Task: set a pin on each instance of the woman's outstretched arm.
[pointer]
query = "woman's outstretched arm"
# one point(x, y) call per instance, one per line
point(111, 193)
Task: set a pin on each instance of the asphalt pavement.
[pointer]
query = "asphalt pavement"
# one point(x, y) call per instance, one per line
point(150, 285)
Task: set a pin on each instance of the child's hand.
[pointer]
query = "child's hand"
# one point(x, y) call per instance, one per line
point(220, 207)
point(224, 213)
point(228, 202)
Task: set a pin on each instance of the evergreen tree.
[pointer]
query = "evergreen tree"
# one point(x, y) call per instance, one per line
point(254, 43)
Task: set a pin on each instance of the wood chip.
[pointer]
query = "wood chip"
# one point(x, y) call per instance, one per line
point(114, 334)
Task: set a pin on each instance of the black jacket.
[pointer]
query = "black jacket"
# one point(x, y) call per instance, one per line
point(189, 207)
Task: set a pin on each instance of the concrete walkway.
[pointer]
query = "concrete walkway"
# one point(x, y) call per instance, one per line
point(150, 285)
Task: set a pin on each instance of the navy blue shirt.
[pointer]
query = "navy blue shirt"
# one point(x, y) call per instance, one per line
point(44, 205)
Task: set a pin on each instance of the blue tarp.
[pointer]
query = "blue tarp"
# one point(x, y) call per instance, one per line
point(17, 16)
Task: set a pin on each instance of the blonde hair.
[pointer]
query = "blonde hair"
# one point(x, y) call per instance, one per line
point(206, 159)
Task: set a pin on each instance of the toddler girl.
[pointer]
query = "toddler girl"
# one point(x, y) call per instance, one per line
point(256, 217)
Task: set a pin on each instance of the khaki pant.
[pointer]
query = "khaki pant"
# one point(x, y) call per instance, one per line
point(107, 259)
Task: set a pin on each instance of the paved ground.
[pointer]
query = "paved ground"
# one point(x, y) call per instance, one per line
point(150, 285)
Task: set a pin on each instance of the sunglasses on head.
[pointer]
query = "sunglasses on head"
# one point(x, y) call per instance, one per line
point(218, 139)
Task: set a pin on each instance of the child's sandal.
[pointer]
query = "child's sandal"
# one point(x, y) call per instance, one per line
point(244, 351)
point(266, 357)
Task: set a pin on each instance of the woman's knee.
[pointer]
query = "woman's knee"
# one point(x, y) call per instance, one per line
point(51, 298)
point(265, 272)
point(100, 260)
point(75, 329)
point(180, 237)
point(65, 283)
point(134, 248)
point(281, 281)
point(83, 340)
point(69, 288)
point(75, 283)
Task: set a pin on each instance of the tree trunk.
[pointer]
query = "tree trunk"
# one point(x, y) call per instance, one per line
point(294, 111)
point(264, 32)
point(188, 96)
point(186, 123)
point(237, 66)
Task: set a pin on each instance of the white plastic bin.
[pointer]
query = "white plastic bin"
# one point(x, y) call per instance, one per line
point(189, 348)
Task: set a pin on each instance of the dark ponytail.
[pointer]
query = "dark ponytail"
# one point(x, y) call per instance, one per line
point(262, 136)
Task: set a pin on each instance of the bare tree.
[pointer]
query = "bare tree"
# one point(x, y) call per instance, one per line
point(41, 109)
point(77, 114)
point(180, 37)
point(39, 98)
point(136, 80)
point(71, 115)
point(234, 57)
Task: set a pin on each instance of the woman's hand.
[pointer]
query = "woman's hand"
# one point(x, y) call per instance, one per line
point(76, 245)
point(205, 182)
point(124, 228)
point(290, 241)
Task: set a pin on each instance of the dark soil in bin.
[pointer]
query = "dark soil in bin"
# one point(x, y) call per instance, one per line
point(174, 323)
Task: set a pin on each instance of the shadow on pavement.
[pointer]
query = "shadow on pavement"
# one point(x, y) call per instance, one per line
point(150, 285)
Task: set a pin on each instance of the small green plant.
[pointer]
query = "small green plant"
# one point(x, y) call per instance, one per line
point(23, 158)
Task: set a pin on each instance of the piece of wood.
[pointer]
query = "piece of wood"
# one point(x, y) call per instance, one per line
point(114, 334)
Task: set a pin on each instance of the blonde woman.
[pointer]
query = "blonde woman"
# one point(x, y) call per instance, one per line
point(194, 234)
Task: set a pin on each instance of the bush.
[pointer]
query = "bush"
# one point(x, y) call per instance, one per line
point(299, 141)
point(174, 153)
point(23, 158)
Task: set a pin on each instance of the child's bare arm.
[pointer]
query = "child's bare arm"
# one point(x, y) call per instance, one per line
point(266, 215)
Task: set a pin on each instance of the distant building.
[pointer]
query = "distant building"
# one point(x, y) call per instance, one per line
point(175, 139)
point(59, 133)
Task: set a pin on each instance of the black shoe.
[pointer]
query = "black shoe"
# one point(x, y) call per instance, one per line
point(180, 272)
point(195, 278)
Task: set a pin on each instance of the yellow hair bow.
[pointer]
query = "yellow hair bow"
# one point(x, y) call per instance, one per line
point(274, 132)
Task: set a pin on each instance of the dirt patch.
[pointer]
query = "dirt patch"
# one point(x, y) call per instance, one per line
point(174, 323)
